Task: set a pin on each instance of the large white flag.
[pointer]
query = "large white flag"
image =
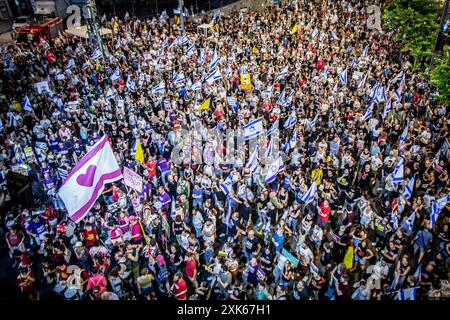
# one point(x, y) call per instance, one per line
point(87, 180)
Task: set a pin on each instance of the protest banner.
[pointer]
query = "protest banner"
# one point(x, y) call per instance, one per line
point(132, 179)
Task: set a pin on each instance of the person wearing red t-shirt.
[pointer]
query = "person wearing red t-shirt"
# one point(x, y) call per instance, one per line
point(191, 270)
point(26, 281)
point(324, 213)
point(90, 236)
point(179, 288)
point(151, 169)
point(96, 285)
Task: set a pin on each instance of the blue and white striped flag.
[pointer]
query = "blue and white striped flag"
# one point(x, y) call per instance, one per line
point(180, 78)
point(399, 176)
point(70, 64)
point(109, 94)
point(387, 109)
point(190, 50)
point(215, 60)
point(273, 128)
point(325, 72)
point(394, 220)
point(354, 62)
point(289, 99)
point(409, 187)
point(253, 129)
point(282, 98)
point(13, 120)
point(97, 54)
point(183, 40)
point(229, 71)
point(410, 222)
point(131, 84)
point(366, 51)
point(344, 77)
point(315, 33)
point(86, 85)
point(436, 208)
point(201, 57)
point(213, 76)
point(276, 167)
point(160, 87)
point(404, 135)
point(115, 75)
point(228, 217)
point(291, 120)
point(369, 113)
point(406, 294)
point(283, 72)
point(398, 77)
point(335, 88)
point(227, 185)
point(292, 142)
point(252, 163)
point(363, 81)
point(197, 86)
point(322, 37)
point(309, 195)
point(398, 92)
point(26, 105)
point(381, 94)
point(312, 123)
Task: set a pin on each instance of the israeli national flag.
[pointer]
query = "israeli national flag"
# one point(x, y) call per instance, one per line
point(273, 128)
point(363, 81)
point(215, 60)
point(158, 88)
point(97, 54)
point(292, 142)
point(409, 188)
point(309, 195)
point(197, 86)
point(109, 94)
point(283, 72)
point(70, 64)
point(354, 62)
point(291, 120)
point(134, 148)
point(315, 33)
point(387, 109)
point(312, 123)
point(268, 91)
point(398, 77)
point(407, 294)
point(183, 40)
point(344, 77)
point(366, 51)
point(86, 85)
point(418, 273)
point(227, 185)
point(201, 58)
point(333, 36)
point(213, 76)
point(335, 88)
point(373, 95)
point(131, 84)
point(399, 176)
point(180, 78)
point(381, 94)
point(116, 75)
point(322, 37)
point(190, 50)
point(282, 98)
point(394, 220)
point(288, 182)
point(253, 129)
point(404, 135)
point(276, 167)
point(410, 221)
point(436, 208)
point(228, 217)
point(13, 120)
point(289, 99)
point(369, 113)
point(269, 149)
point(26, 105)
point(398, 92)
point(252, 163)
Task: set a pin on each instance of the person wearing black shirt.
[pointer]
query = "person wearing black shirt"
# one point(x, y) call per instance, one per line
point(252, 245)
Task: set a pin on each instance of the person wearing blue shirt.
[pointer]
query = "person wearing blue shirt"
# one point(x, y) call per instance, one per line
point(278, 240)
point(197, 195)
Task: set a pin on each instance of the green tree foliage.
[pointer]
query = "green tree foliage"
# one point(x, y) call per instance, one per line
point(440, 76)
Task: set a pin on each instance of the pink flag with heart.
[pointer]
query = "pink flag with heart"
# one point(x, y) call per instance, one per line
point(88, 178)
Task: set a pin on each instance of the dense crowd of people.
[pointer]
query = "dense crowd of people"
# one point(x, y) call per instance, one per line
point(355, 120)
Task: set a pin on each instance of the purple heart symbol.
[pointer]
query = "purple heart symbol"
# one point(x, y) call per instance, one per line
point(87, 179)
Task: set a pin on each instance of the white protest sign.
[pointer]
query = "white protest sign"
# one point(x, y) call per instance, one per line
point(132, 179)
point(42, 86)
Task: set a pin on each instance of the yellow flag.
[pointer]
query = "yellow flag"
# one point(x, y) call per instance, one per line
point(177, 19)
point(205, 105)
point(294, 29)
point(139, 152)
point(217, 27)
point(348, 258)
point(116, 25)
point(16, 106)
